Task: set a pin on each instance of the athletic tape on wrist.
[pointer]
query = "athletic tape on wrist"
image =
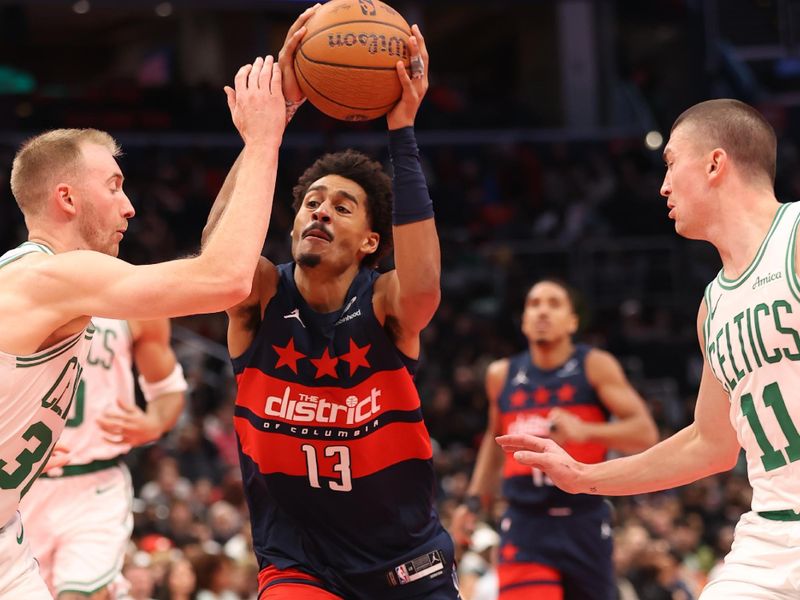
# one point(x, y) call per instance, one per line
point(174, 382)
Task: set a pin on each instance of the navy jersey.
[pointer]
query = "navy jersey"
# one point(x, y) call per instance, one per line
point(527, 397)
point(335, 457)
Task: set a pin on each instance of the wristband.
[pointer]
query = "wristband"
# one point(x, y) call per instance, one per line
point(174, 382)
point(412, 202)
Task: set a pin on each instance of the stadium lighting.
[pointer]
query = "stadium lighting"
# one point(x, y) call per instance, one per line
point(653, 140)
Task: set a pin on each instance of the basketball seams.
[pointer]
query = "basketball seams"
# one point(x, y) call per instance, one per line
point(316, 91)
point(346, 66)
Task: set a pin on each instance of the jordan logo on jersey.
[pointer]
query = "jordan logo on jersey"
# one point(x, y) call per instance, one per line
point(295, 314)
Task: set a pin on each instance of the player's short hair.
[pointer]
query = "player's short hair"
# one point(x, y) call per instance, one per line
point(737, 128)
point(367, 173)
point(48, 156)
point(572, 294)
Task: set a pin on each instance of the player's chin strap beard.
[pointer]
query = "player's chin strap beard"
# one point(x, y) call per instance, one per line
point(309, 260)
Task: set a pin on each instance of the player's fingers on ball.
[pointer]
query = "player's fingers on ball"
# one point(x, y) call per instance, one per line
point(423, 49)
point(402, 74)
point(292, 43)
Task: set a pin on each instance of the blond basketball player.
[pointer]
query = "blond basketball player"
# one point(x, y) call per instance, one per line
point(719, 187)
point(78, 519)
point(69, 188)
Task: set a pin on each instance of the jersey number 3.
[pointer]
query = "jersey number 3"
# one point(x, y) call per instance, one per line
point(342, 467)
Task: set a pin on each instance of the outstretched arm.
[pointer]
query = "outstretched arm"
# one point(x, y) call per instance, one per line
point(72, 284)
point(412, 292)
point(709, 445)
point(293, 96)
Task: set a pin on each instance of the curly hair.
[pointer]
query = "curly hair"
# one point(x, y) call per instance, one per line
point(367, 173)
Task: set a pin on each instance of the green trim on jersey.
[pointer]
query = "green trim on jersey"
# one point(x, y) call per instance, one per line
point(42, 247)
point(24, 249)
point(707, 320)
point(92, 467)
point(732, 284)
point(95, 585)
point(780, 515)
point(791, 273)
point(24, 362)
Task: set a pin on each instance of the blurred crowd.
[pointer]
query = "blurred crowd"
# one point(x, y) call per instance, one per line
point(507, 214)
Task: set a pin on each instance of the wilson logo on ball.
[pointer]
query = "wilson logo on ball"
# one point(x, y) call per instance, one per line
point(346, 63)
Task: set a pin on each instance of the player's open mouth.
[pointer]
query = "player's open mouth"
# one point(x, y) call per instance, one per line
point(318, 234)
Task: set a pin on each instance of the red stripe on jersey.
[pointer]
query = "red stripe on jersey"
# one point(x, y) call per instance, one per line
point(276, 452)
point(534, 421)
point(326, 406)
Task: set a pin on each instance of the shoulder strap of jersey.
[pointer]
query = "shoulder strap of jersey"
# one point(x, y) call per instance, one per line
point(22, 250)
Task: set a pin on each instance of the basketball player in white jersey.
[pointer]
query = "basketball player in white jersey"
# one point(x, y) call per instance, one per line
point(69, 188)
point(78, 519)
point(719, 187)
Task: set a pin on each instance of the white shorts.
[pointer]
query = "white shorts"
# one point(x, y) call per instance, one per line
point(19, 573)
point(79, 527)
point(763, 564)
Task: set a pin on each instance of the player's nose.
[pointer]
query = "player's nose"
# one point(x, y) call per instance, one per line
point(127, 208)
point(666, 188)
point(321, 214)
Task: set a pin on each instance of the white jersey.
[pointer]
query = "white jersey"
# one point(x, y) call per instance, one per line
point(752, 342)
point(36, 393)
point(107, 379)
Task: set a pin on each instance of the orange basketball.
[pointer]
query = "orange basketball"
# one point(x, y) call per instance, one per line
point(345, 64)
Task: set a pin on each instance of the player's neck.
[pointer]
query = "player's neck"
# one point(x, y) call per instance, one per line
point(323, 290)
point(741, 230)
point(551, 355)
point(38, 235)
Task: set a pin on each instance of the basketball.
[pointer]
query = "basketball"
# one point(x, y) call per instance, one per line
point(345, 64)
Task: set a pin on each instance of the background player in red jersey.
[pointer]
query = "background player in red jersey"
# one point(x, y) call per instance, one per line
point(335, 458)
point(554, 545)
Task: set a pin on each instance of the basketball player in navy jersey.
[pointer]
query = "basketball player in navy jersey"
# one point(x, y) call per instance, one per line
point(554, 545)
point(335, 457)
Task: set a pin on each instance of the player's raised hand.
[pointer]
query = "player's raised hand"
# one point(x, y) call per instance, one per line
point(291, 90)
point(414, 86)
point(547, 456)
point(256, 101)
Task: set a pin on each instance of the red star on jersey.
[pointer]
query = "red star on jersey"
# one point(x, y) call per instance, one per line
point(541, 395)
point(509, 552)
point(326, 365)
point(566, 393)
point(519, 398)
point(288, 356)
point(357, 357)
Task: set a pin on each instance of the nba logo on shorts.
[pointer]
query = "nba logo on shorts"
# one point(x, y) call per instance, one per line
point(402, 574)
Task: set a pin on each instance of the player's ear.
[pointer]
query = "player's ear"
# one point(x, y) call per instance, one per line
point(718, 160)
point(63, 198)
point(371, 243)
